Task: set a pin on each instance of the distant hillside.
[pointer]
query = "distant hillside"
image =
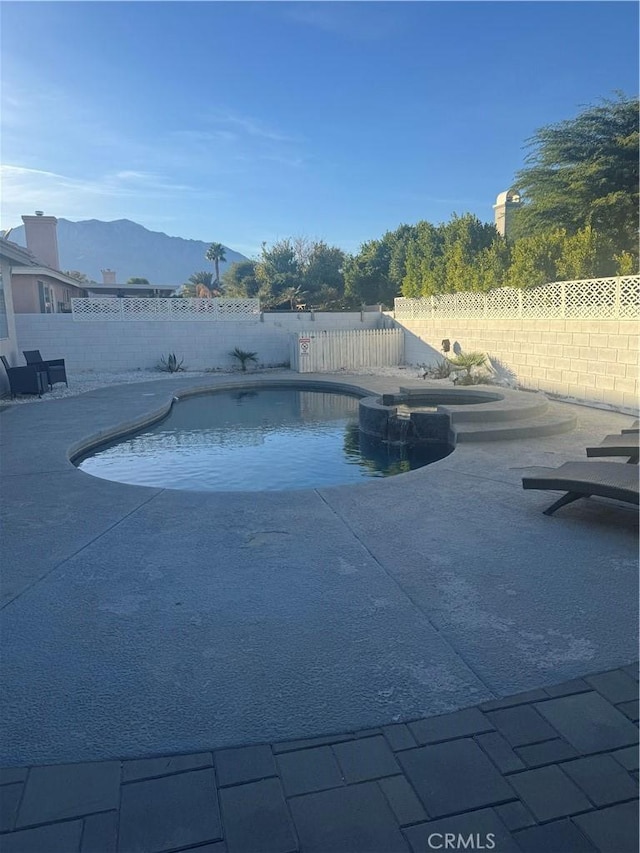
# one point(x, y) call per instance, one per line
point(129, 249)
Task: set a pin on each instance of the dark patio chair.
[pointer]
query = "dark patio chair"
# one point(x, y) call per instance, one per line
point(54, 368)
point(627, 446)
point(583, 479)
point(26, 380)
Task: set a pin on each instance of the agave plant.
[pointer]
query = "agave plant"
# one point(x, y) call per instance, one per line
point(170, 364)
point(243, 357)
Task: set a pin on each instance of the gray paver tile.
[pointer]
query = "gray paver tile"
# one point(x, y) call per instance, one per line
point(602, 779)
point(169, 812)
point(479, 824)
point(9, 802)
point(100, 833)
point(567, 688)
point(463, 723)
point(515, 815)
point(616, 686)
point(612, 830)
point(453, 777)
point(548, 752)
point(629, 758)
point(512, 701)
point(399, 737)
point(560, 836)
point(367, 733)
point(361, 760)
point(630, 709)
point(589, 722)
point(356, 819)
point(522, 725)
point(10, 775)
point(69, 790)
point(632, 669)
point(309, 770)
point(149, 768)
point(247, 764)
point(500, 752)
point(256, 818)
point(55, 838)
point(306, 743)
point(403, 800)
point(548, 793)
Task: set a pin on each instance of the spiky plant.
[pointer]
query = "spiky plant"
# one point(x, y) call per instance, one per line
point(468, 360)
point(170, 364)
point(243, 357)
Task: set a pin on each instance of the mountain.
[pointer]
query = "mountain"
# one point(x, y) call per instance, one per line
point(129, 249)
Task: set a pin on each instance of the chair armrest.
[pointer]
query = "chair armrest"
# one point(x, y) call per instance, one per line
point(54, 362)
point(27, 369)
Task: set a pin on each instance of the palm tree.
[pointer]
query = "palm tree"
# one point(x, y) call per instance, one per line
point(203, 277)
point(215, 254)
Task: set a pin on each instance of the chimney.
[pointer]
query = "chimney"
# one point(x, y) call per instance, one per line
point(108, 276)
point(42, 238)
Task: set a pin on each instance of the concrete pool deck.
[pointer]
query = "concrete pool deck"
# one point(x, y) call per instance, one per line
point(147, 631)
point(140, 621)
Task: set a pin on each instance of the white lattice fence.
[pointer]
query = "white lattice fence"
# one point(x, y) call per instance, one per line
point(165, 309)
point(327, 352)
point(600, 298)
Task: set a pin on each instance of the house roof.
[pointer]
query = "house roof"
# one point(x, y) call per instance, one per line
point(50, 273)
point(16, 254)
point(134, 288)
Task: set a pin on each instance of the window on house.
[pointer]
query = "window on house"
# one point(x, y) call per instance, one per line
point(45, 295)
point(4, 328)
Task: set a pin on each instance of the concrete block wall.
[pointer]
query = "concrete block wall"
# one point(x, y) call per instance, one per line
point(591, 360)
point(129, 345)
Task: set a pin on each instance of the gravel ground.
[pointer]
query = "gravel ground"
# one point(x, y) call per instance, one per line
point(79, 383)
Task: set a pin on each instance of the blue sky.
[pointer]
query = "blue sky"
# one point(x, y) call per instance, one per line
point(240, 122)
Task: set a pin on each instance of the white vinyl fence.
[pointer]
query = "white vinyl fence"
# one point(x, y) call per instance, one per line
point(598, 298)
point(327, 352)
point(106, 308)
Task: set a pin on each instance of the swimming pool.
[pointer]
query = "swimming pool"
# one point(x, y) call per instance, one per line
point(255, 439)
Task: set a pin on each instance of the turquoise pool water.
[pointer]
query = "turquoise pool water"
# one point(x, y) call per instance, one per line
point(254, 440)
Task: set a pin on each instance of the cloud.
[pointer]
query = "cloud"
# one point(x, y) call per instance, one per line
point(26, 188)
point(252, 127)
point(355, 20)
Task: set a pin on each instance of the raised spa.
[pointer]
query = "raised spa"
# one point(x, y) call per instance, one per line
point(419, 417)
point(256, 439)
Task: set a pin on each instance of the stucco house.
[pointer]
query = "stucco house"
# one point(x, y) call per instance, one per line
point(41, 287)
point(12, 257)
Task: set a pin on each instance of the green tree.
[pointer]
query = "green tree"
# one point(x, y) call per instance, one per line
point(324, 268)
point(490, 267)
point(584, 172)
point(204, 277)
point(137, 280)
point(585, 254)
point(424, 265)
point(366, 275)
point(240, 281)
point(278, 273)
point(534, 259)
point(216, 254)
point(200, 284)
point(465, 238)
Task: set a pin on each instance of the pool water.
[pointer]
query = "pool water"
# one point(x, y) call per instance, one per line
point(255, 440)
